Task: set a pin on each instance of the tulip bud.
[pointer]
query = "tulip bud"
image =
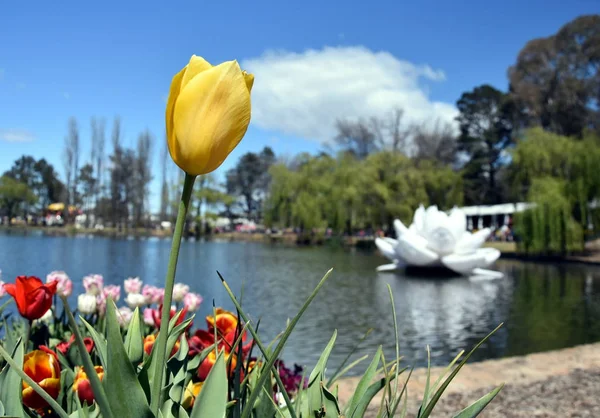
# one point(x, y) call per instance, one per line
point(179, 291)
point(191, 393)
point(65, 285)
point(86, 304)
point(112, 291)
point(135, 300)
point(208, 113)
point(42, 367)
point(93, 284)
point(133, 285)
point(192, 301)
point(82, 386)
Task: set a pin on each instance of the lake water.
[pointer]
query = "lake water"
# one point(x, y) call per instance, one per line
point(543, 306)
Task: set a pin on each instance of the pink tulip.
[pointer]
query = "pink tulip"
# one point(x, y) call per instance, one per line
point(149, 316)
point(65, 285)
point(93, 284)
point(101, 304)
point(192, 301)
point(124, 316)
point(133, 285)
point(2, 291)
point(179, 291)
point(112, 291)
point(153, 294)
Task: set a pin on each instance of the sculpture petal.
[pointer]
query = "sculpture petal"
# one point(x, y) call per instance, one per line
point(419, 220)
point(457, 222)
point(470, 242)
point(413, 252)
point(400, 228)
point(386, 246)
point(466, 263)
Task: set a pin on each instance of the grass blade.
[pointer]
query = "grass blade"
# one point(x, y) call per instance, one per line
point(478, 406)
point(436, 397)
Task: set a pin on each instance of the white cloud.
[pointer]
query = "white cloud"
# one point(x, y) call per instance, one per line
point(16, 135)
point(303, 94)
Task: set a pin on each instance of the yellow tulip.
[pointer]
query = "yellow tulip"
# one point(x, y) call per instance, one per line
point(191, 393)
point(208, 113)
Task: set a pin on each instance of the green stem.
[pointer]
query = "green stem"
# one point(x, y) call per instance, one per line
point(161, 341)
point(97, 388)
point(27, 334)
point(45, 395)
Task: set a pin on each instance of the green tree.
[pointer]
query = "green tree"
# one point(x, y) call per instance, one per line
point(250, 179)
point(556, 80)
point(13, 195)
point(485, 133)
point(40, 177)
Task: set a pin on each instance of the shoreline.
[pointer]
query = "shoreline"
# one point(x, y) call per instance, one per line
point(508, 250)
point(527, 381)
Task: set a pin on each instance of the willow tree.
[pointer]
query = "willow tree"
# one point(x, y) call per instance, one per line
point(559, 174)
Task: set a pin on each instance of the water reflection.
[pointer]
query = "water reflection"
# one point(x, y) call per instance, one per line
point(543, 306)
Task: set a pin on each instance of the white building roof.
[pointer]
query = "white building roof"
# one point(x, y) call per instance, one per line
point(503, 209)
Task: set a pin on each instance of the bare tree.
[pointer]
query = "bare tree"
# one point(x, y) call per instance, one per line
point(398, 134)
point(142, 176)
point(98, 141)
point(357, 138)
point(71, 162)
point(436, 143)
point(115, 180)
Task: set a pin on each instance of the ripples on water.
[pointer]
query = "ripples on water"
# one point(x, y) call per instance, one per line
point(543, 306)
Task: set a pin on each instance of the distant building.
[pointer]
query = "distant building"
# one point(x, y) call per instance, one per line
point(493, 216)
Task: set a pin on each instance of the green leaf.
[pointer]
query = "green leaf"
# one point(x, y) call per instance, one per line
point(341, 370)
point(11, 387)
point(1, 409)
point(346, 369)
point(99, 342)
point(426, 392)
point(270, 360)
point(212, 399)
point(317, 376)
point(134, 341)
point(329, 402)
point(319, 369)
point(363, 386)
point(438, 394)
point(127, 398)
point(369, 394)
point(99, 394)
point(478, 406)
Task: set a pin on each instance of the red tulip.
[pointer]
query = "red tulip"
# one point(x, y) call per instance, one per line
point(32, 296)
point(63, 346)
point(157, 314)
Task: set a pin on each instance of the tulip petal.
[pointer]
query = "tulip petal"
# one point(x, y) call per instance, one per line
point(212, 114)
point(249, 79)
point(195, 66)
point(173, 94)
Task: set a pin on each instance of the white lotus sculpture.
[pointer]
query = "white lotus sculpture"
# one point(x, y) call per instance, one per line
point(438, 239)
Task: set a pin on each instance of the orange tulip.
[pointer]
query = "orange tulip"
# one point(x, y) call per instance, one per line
point(210, 360)
point(82, 385)
point(223, 320)
point(43, 367)
point(149, 344)
point(32, 296)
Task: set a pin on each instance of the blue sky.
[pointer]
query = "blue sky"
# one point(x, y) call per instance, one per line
point(314, 62)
